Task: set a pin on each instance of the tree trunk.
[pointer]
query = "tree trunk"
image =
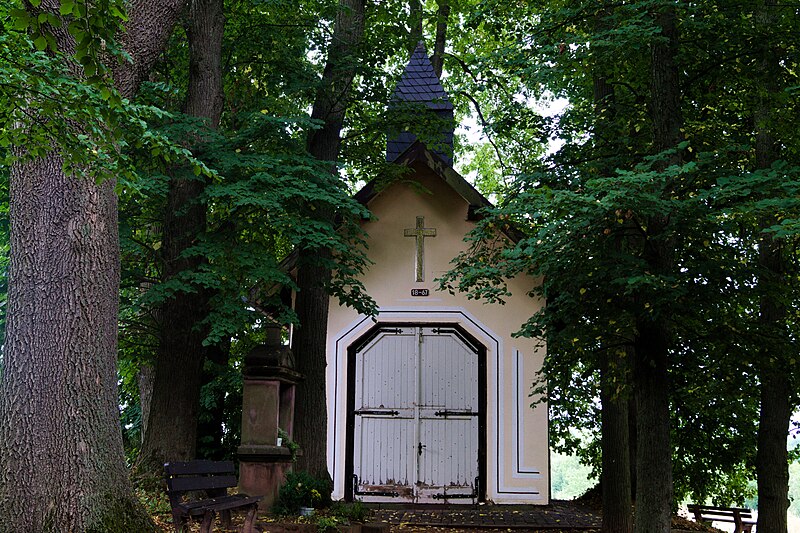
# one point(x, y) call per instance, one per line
point(654, 451)
point(62, 465)
point(210, 424)
point(442, 15)
point(632, 443)
point(651, 366)
point(145, 381)
point(309, 340)
point(615, 480)
point(616, 472)
point(772, 461)
point(415, 19)
point(60, 443)
point(172, 421)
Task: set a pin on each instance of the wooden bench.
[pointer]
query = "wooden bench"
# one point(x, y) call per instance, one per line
point(743, 518)
point(213, 478)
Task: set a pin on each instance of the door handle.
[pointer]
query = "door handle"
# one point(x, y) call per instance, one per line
point(419, 448)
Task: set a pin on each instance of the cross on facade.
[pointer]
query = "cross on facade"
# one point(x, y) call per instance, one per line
point(420, 232)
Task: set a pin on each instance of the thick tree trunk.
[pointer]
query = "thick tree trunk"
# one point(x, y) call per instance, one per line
point(654, 452)
point(61, 459)
point(62, 466)
point(210, 425)
point(145, 381)
point(309, 340)
point(172, 421)
point(632, 442)
point(772, 461)
point(615, 479)
point(442, 16)
point(415, 19)
point(616, 472)
point(651, 367)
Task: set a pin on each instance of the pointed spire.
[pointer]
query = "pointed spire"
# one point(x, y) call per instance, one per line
point(420, 85)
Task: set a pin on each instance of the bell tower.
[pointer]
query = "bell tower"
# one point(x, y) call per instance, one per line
point(419, 90)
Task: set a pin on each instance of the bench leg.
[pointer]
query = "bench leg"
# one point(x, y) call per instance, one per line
point(249, 521)
point(179, 522)
point(208, 521)
point(225, 519)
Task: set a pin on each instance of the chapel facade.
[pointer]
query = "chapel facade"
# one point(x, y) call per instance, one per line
point(429, 402)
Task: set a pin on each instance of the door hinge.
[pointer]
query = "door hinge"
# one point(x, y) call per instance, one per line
point(387, 412)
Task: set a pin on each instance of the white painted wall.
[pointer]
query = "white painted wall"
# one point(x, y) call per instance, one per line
point(517, 447)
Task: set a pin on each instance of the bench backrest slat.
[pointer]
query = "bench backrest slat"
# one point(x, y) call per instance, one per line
point(184, 476)
point(183, 484)
point(709, 513)
point(712, 508)
point(198, 468)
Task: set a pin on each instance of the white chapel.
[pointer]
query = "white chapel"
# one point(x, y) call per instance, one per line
point(430, 403)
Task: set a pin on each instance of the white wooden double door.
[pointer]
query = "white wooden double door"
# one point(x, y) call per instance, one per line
point(416, 418)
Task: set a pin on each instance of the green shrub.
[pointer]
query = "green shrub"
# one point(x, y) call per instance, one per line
point(351, 512)
point(328, 523)
point(301, 489)
point(155, 502)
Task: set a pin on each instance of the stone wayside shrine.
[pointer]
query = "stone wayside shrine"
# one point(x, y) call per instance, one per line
point(429, 402)
point(268, 394)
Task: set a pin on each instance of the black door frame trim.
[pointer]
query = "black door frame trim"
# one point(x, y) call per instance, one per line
point(391, 327)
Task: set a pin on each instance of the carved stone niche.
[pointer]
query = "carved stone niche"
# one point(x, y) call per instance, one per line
point(267, 404)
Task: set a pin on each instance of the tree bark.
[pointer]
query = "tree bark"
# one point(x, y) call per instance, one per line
point(210, 425)
point(615, 480)
point(442, 15)
point(654, 451)
point(632, 442)
point(62, 465)
point(415, 19)
point(772, 461)
point(651, 366)
point(145, 381)
point(309, 340)
point(174, 406)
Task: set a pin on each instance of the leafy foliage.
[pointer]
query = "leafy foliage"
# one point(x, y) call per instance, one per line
point(575, 216)
point(301, 489)
point(579, 221)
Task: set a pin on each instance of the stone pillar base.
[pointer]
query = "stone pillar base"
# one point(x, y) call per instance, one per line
point(262, 470)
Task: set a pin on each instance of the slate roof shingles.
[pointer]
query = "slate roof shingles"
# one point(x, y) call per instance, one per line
point(420, 85)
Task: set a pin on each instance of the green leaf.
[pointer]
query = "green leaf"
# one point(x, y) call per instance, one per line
point(40, 43)
point(21, 19)
point(66, 7)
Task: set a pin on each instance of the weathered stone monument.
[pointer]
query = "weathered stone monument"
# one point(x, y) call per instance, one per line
point(267, 404)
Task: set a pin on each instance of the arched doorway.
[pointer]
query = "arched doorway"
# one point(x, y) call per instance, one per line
point(416, 416)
